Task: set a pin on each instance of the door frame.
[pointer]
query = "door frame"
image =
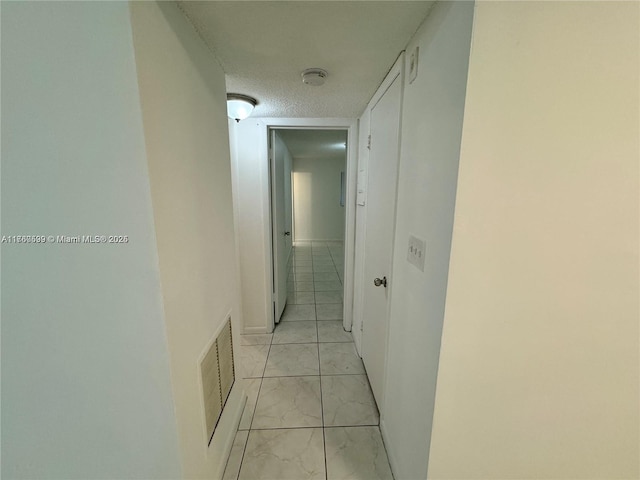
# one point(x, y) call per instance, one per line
point(351, 126)
point(397, 70)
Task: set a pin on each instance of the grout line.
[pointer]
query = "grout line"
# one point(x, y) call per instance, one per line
point(324, 439)
point(367, 425)
point(255, 407)
point(319, 375)
point(294, 428)
point(297, 375)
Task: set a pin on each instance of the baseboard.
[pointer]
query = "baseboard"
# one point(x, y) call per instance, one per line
point(225, 433)
point(254, 330)
point(319, 240)
point(390, 455)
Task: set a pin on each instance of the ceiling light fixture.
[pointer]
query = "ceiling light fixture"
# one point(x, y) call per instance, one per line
point(314, 76)
point(240, 106)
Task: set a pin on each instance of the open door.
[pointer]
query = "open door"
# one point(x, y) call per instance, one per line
point(280, 181)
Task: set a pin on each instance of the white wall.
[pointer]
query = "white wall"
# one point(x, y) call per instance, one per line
point(316, 198)
point(539, 363)
point(431, 129)
point(182, 89)
point(85, 372)
point(251, 197)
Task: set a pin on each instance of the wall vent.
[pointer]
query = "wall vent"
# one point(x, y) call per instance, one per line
point(218, 375)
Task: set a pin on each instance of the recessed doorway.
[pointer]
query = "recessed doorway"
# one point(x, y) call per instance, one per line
point(308, 183)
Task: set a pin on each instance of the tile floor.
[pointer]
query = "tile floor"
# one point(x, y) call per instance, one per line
point(310, 413)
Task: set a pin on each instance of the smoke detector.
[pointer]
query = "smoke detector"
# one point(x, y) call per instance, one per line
point(314, 76)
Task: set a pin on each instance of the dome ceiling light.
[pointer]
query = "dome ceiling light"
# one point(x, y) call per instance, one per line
point(240, 106)
point(314, 76)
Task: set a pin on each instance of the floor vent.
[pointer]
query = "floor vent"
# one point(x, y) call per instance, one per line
point(218, 375)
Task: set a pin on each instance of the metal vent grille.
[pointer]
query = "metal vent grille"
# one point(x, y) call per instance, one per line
point(218, 376)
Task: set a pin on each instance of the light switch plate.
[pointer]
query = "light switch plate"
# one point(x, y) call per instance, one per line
point(416, 252)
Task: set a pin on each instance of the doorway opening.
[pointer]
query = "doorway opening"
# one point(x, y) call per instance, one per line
point(308, 173)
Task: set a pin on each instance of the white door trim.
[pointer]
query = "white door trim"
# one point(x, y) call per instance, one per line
point(394, 72)
point(351, 125)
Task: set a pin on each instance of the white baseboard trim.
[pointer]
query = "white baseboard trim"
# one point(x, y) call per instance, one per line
point(319, 240)
point(254, 330)
point(390, 455)
point(227, 427)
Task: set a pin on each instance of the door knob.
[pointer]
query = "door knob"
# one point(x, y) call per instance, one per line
point(383, 281)
point(286, 234)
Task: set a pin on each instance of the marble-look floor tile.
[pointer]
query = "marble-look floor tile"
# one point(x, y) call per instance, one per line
point(235, 456)
point(251, 388)
point(302, 269)
point(329, 311)
point(347, 401)
point(293, 360)
point(356, 453)
point(325, 277)
point(306, 261)
point(333, 331)
point(284, 454)
point(329, 297)
point(324, 268)
point(256, 339)
point(327, 286)
point(301, 298)
point(339, 359)
point(288, 402)
point(300, 286)
point(322, 260)
point(301, 277)
point(295, 313)
point(299, 261)
point(295, 332)
point(253, 359)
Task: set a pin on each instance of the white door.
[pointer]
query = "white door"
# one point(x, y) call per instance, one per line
point(280, 227)
point(379, 229)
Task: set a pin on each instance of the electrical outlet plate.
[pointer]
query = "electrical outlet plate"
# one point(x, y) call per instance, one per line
point(413, 65)
point(416, 252)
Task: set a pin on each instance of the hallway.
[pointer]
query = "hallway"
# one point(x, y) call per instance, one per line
point(310, 413)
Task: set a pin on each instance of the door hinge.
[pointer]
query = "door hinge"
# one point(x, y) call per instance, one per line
point(369, 143)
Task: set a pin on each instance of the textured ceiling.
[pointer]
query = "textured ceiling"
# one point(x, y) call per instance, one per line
point(263, 47)
point(315, 143)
